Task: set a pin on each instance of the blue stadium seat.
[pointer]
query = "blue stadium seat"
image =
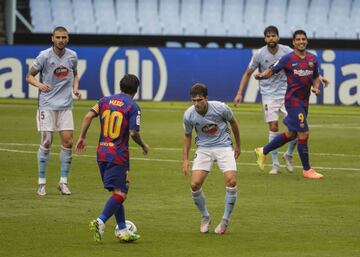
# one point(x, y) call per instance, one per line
point(234, 18)
point(127, 17)
point(105, 17)
point(41, 17)
point(169, 16)
point(148, 17)
point(190, 17)
point(84, 17)
point(254, 17)
point(296, 16)
point(212, 20)
point(276, 15)
point(63, 14)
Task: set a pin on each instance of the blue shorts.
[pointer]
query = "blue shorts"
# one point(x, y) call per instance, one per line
point(296, 119)
point(114, 176)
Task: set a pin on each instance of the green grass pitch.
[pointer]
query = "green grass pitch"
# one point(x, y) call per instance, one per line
point(275, 216)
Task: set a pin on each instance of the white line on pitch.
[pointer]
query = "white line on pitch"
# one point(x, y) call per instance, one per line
point(180, 149)
point(168, 160)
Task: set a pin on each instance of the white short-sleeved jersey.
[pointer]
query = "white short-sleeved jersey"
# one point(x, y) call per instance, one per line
point(57, 72)
point(212, 128)
point(275, 86)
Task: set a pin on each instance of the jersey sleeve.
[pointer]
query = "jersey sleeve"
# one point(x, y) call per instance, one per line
point(227, 113)
point(95, 109)
point(38, 63)
point(135, 118)
point(254, 62)
point(280, 64)
point(187, 124)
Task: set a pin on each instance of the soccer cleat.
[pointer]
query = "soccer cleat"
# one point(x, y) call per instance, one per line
point(260, 157)
point(128, 237)
point(64, 189)
point(311, 173)
point(221, 228)
point(41, 190)
point(98, 227)
point(205, 223)
point(275, 169)
point(288, 162)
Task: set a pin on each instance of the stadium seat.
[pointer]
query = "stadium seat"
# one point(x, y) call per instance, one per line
point(190, 17)
point(276, 15)
point(169, 16)
point(234, 18)
point(127, 17)
point(105, 17)
point(254, 17)
point(148, 17)
point(41, 17)
point(63, 14)
point(212, 18)
point(84, 17)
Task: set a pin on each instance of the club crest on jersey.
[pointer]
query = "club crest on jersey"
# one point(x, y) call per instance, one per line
point(61, 72)
point(210, 129)
point(311, 64)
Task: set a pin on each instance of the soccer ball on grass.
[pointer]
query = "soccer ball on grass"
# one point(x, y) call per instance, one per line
point(130, 226)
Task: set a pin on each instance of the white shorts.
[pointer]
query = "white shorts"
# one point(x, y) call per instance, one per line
point(49, 120)
point(205, 157)
point(272, 109)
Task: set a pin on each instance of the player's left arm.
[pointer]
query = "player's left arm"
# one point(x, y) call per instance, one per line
point(324, 81)
point(315, 87)
point(135, 135)
point(235, 129)
point(81, 143)
point(76, 85)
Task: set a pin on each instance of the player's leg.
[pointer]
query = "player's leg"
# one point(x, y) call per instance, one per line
point(45, 124)
point(65, 124)
point(66, 137)
point(200, 170)
point(227, 164)
point(271, 109)
point(287, 156)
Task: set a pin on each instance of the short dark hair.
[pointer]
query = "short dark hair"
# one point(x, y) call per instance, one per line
point(129, 84)
point(198, 89)
point(59, 28)
point(270, 29)
point(299, 32)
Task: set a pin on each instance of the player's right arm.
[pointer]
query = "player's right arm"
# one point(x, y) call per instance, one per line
point(243, 83)
point(186, 151)
point(30, 78)
point(81, 143)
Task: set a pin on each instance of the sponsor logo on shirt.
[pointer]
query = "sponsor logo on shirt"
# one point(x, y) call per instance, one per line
point(303, 73)
point(210, 129)
point(61, 72)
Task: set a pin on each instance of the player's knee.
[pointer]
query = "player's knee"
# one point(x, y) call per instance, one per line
point(291, 135)
point(195, 186)
point(231, 182)
point(119, 195)
point(46, 139)
point(68, 143)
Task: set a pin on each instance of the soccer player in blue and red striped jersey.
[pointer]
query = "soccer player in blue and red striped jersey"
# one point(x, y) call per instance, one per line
point(302, 72)
point(119, 118)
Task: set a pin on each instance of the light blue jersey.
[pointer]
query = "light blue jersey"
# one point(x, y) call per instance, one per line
point(212, 128)
point(275, 86)
point(58, 73)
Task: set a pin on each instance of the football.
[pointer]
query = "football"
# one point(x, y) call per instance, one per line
point(130, 226)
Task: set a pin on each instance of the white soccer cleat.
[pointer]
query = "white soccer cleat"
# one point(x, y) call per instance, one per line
point(64, 189)
point(221, 228)
point(275, 170)
point(41, 190)
point(205, 223)
point(127, 236)
point(97, 227)
point(288, 162)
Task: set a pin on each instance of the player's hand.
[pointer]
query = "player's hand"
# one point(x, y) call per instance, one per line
point(237, 100)
point(316, 91)
point(257, 76)
point(145, 149)
point(77, 94)
point(80, 146)
point(325, 81)
point(186, 167)
point(237, 152)
point(44, 87)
